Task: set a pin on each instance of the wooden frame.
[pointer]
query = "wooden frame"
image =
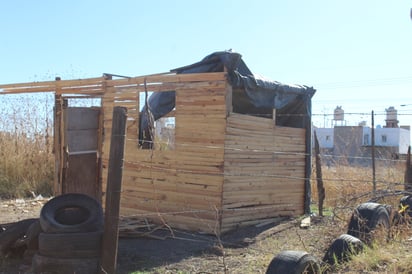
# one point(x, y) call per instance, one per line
point(226, 169)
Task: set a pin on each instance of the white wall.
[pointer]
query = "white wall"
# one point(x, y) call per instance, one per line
point(404, 140)
point(394, 137)
point(325, 137)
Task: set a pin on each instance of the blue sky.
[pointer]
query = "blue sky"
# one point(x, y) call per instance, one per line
point(357, 54)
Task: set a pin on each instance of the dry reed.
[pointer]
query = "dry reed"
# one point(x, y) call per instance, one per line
point(26, 158)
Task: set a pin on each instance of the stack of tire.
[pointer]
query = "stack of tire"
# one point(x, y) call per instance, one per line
point(366, 220)
point(369, 222)
point(71, 234)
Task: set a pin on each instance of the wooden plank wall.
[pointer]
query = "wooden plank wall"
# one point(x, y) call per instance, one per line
point(182, 187)
point(228, 171)
point(264, 171)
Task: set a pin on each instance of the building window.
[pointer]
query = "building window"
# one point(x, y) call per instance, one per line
point(156, 134)
point(366, 139)
point(327, 138)
point(384, 139)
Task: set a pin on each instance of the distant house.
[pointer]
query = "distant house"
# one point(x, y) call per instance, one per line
point(352, 144)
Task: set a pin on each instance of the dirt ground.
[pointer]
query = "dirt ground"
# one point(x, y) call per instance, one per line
point(246, 250)
point(186, 252)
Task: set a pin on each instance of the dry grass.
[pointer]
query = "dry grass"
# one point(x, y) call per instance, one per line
point(26, 159)
point(346, 186)
point(26, 166)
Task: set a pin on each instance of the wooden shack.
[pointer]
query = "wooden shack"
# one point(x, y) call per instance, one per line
point(209, 147)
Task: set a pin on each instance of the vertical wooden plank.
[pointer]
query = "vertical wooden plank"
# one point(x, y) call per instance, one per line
point(274, 116)
point(408, 172)
point(307, 125)
point(229, 99)
point(64, 147)
point(57, 146)
point(319, 179)
point(100, 134)
point(114, 179)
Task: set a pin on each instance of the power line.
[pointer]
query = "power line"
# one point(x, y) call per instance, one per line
point(365, 83)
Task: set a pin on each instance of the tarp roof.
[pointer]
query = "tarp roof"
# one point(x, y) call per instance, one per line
point(257, 97)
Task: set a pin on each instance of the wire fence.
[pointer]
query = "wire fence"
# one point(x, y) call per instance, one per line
point(32, 114)
point(346, 185)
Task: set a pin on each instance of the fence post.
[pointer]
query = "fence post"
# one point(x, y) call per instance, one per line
point(408, 172)
point(319, 179)
point(373, 155)
point(114, 183)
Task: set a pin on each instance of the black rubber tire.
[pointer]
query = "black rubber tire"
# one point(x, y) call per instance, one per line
point(70, 245)
point(71, 213)
point(406, 201)
point(368, 218)
point(12, 234)
point(32, 235)
point(43, 264)
point(293, 262)
point(342, 249)
point(28, 256)
point(404, 213)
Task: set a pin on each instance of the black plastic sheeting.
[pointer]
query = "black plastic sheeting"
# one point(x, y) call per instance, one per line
point(254, 95)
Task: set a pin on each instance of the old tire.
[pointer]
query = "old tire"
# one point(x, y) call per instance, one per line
point(342, 249)
point(70, 245)
point(71, 213)
point(369, 221)
point(293, 262)
point(12, 234)
point(32, 235)
point(405, 205)
point(44, 264)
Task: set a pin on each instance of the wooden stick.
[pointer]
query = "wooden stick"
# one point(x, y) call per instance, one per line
point(319, 179)
point(408, 172)
point(114, 183)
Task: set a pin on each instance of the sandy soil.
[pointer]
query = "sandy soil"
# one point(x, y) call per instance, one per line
point(20, 209)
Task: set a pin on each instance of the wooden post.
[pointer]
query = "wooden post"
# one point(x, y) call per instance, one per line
point(114, 180)
point(57, 146)
point(373, 155)
point(319, 179)
point(408, 172)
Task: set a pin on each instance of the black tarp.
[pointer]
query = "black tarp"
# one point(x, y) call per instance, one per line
point(254, 96)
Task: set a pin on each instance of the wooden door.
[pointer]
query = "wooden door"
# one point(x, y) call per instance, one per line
point(82, 166)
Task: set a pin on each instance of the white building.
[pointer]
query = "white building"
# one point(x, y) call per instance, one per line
point(354, 143)
point(388, 137)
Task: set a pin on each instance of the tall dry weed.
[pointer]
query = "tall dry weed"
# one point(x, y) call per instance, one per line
point(347, 186)
point(26, 159)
